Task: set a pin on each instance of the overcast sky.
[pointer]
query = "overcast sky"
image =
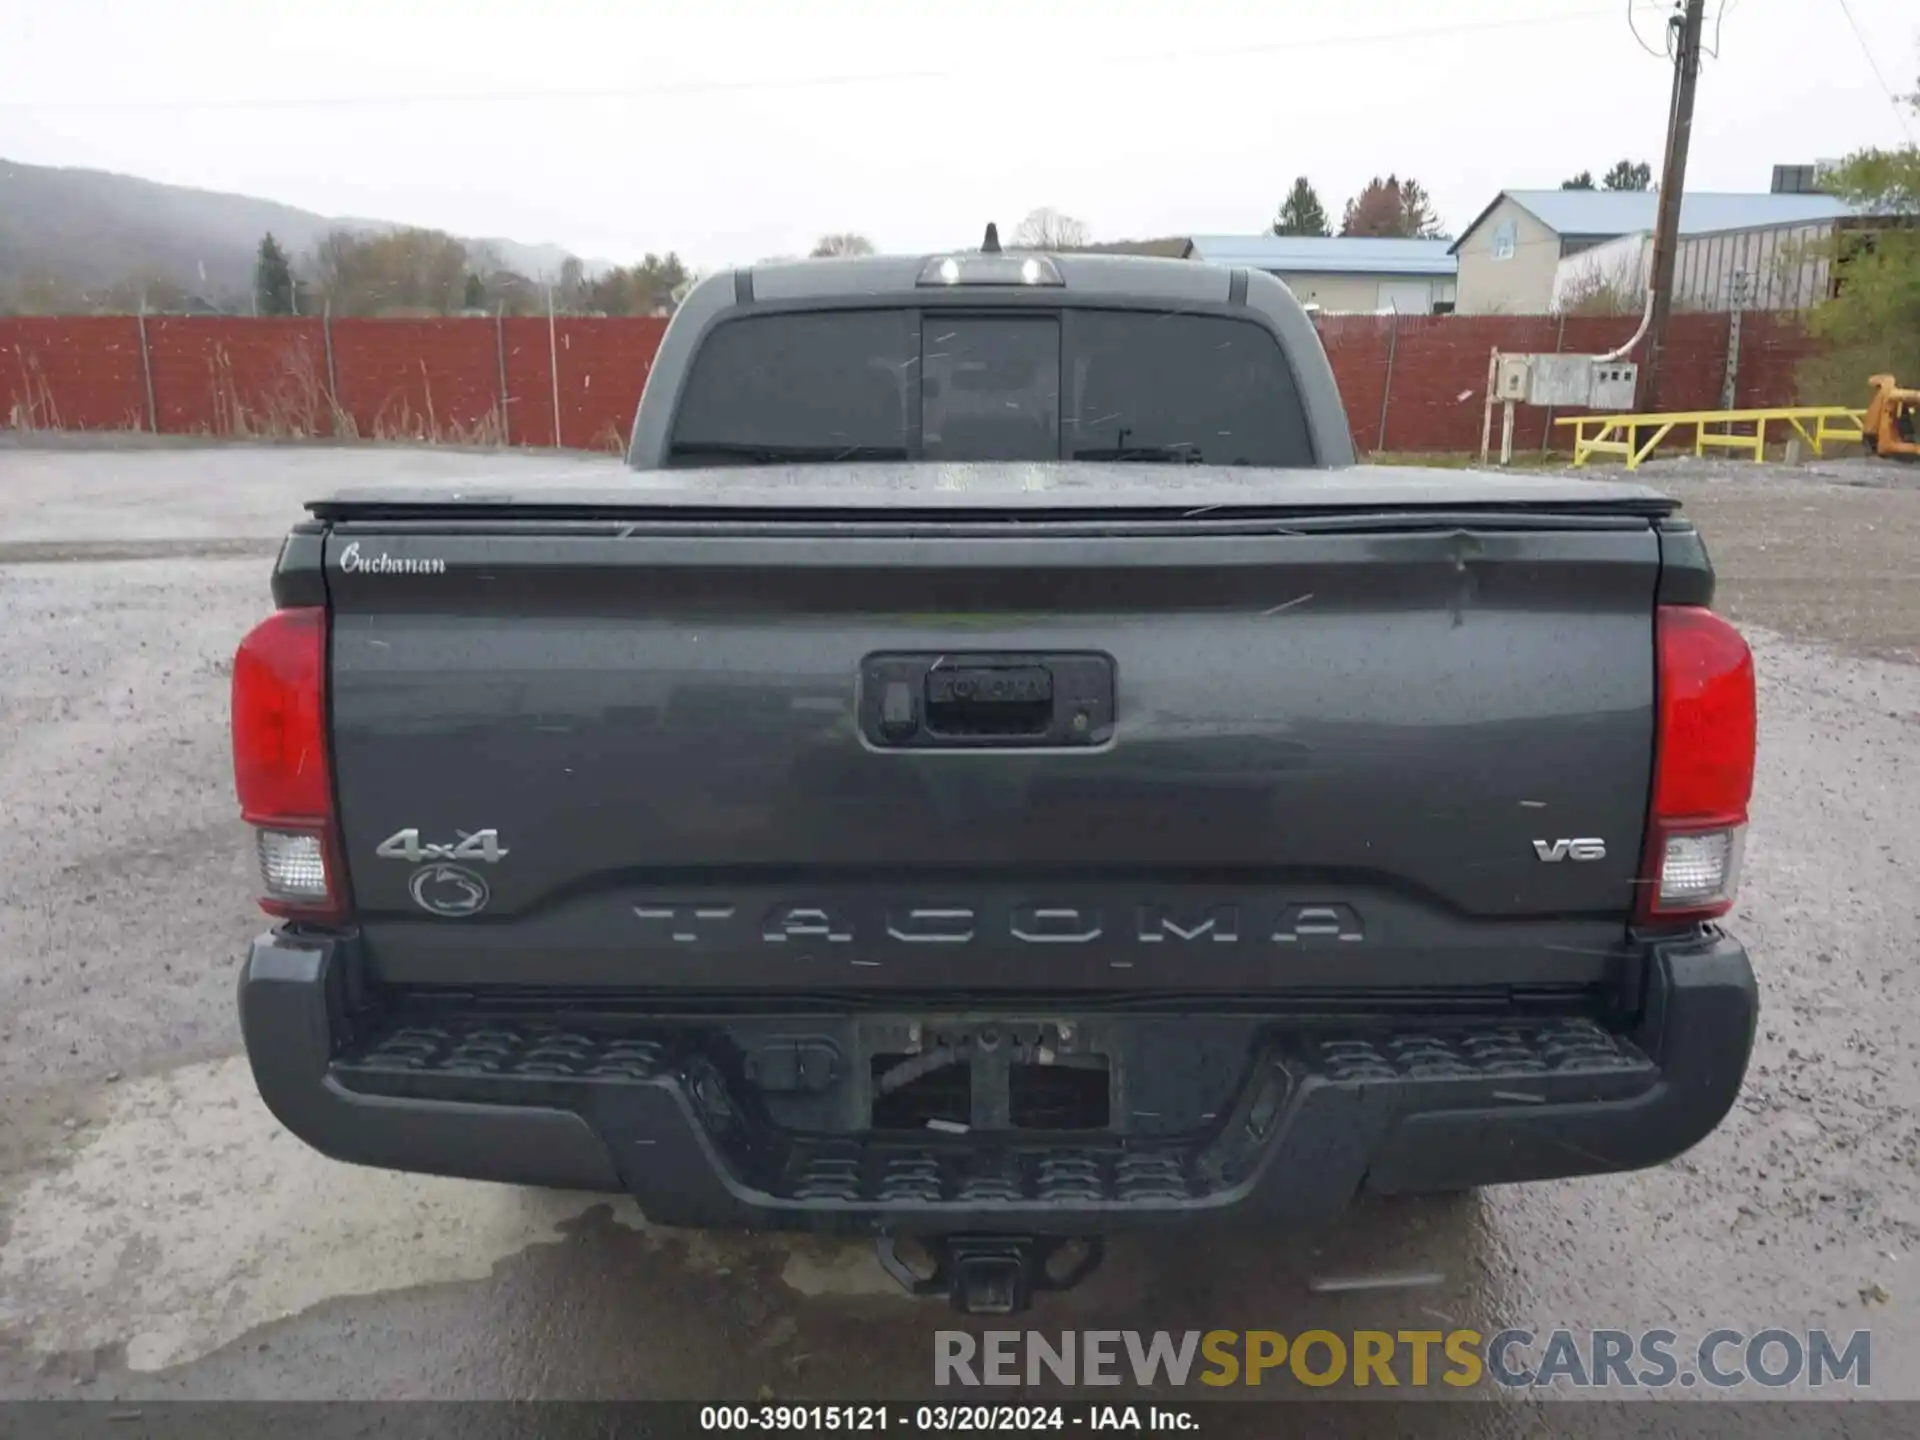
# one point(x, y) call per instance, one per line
point(734, 131)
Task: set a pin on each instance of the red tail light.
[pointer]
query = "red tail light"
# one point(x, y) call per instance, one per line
point(280, 768)
point(1703, 767)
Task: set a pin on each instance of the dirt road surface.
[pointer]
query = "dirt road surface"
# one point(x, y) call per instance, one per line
point(160, 1236)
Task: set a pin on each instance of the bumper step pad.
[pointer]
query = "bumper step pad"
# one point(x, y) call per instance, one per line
point(490, 1049)
point(490, 1060)
point(1258, 1120)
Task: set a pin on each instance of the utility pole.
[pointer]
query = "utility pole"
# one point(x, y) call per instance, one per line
point(1673, 188)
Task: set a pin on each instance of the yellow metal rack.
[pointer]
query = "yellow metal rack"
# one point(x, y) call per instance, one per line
point(1634, 437)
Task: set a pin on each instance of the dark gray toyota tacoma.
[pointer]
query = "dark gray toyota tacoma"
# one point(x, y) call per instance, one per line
point(996, 771)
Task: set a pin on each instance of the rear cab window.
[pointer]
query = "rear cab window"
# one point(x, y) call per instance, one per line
point(774, 389)
point(1074, 384)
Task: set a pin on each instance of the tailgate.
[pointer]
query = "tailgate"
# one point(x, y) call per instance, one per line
point(1367, 753)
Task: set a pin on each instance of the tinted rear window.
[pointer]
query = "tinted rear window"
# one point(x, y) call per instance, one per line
point(1196, 388)
point(1079, 384)
point(990, 388)
point(840, 386)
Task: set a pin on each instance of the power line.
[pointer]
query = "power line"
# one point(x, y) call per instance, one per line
point(1718, 15)
point(816, 82)
point(1636, 34)
point(1874, 65)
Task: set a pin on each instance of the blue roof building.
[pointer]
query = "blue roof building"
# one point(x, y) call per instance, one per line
point(1343, 273)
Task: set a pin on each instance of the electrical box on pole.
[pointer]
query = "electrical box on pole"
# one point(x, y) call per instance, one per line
point(1587, 382)
point(1566, 381)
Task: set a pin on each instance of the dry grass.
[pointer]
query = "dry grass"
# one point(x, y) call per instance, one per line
point(35, 410)
point(297, 406)
point(398, 420)
point(300, 406)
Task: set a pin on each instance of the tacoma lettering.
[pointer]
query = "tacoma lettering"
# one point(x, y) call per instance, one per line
point(1300, 923)
point(1055, 924)
point(804, 922)
point(683, 921)
point(1158, 923)
point(1045, 922)
point(931, 926)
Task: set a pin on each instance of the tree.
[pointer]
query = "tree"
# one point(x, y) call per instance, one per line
point(1047, 229)
point(1871, 324)
point(1301, 213)
point(273, 285)
point(1376, 211)
point(1391, 209)
point(846, 243)
point(1628, 175)
point(155, 293)
point(1582, 181)
point(514, 294)
point(1417, 219)
point(40, 293)
point(499, 287)
point(395, 272)
point(653, 287)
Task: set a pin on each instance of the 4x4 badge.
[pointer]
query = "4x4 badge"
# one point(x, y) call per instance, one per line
point(483, 845)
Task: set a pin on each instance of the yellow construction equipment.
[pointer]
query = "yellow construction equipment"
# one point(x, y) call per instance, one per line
point(1890, 420)
point(1633, 437)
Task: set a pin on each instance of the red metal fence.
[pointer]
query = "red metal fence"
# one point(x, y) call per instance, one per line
point(1410, 383)
point(1425, 377)
point(477, 380)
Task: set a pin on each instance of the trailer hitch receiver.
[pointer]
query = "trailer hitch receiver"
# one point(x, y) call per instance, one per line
point(993, 1274)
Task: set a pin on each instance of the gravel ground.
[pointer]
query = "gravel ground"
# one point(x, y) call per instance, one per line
point(1827, 552)
point(159, 1236)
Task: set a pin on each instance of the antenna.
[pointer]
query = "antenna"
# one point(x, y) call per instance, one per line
point(991, 245)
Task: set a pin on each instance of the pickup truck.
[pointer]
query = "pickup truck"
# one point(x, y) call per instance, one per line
point(993, 772)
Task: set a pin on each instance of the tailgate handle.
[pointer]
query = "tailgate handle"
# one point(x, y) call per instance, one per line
point(1015, 700)
point(1057, 700)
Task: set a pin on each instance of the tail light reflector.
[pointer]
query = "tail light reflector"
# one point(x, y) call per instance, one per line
point(280, 768)
point(1703, 767)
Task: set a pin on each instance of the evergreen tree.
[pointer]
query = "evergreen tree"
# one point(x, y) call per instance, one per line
point(273, 288)
point(1301, 213)
point(1627, 175)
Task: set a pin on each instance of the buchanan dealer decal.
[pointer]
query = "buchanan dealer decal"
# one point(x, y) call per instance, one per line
point(352, 562)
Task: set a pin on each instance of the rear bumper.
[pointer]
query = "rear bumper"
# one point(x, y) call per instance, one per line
point(1315, 1117)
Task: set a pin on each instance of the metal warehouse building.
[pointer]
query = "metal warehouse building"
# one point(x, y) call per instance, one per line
point(1757, 267)
point(1530, 246)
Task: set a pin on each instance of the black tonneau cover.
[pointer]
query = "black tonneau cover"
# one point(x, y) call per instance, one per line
point(884, 490)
